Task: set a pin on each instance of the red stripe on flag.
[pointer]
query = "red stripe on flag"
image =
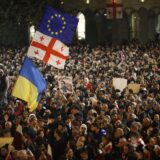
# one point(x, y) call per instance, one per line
point(114, 7)
point(49, 50)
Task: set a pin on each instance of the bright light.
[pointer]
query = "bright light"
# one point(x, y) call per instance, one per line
point(142, 1)
point(87, 1)
point(81, 26)
point(32, 31)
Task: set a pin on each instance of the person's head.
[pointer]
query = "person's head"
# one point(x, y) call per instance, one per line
point(105, 139)
point(122, 142)
point(25, 114)
point(134, 127)
point(118, 133)
point(4, 151)
point(84, 154)
point(156, 118)
point(69, 153)
point(117, 124)
point(152, 141)
point(60, 126)
point(6, 133)
point(80, 142)
point(146, 122)
point(6, 116)
point(83, 129)
point(32, 119)
point(8, 125)
point(75, 132)
point(127, 148)
point(95, 128)
point(41, 133)
point(57, 134)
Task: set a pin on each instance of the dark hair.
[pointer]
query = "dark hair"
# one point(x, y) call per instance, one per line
point(59, 133)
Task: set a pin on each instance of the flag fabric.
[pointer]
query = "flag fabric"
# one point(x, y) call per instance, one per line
point(114, 10)
point(29, 85)
point(109, 12)
point(58, 25)
point(119, 12)
point(5, 140)
point(48, 49)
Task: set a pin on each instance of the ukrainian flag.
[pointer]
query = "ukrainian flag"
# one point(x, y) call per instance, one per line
point(29, 85)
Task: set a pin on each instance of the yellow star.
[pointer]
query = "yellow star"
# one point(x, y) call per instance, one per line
point(62, 18)
point(56, 33)
point(49, 21)
point(63, 27)
point(64, 22)
point(60, 31)
point(49, 29)
point(56, 15)
point(52, 33)
point(52, 17)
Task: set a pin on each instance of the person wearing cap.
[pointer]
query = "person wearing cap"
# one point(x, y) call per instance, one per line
point(32, 126)
point(83, 129)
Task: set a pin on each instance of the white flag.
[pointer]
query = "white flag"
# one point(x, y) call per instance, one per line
point(48, 49)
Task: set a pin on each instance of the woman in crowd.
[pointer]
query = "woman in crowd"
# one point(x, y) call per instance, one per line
point(96, 121)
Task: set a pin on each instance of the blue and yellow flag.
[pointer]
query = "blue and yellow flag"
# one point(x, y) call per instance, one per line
point(58, 25)
point(29, 85)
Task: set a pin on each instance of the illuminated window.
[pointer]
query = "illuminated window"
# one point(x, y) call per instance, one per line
point(158, 24)
point(81, 26)
point(32, 32)
point(135, 20)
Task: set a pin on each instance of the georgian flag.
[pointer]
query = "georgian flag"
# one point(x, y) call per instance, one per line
point(114, 9)
point(49, 50)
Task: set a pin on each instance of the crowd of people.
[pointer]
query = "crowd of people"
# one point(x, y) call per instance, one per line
point(96, 121)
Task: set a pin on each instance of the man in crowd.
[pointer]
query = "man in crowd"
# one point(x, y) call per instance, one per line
point(118, 125)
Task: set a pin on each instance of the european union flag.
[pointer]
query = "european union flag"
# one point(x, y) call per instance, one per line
point(58, 25)
point(29, 85)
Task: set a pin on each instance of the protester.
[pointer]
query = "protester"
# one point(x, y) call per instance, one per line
point(96, 121)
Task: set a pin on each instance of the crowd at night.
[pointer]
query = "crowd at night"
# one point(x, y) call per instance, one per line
point(96, 121)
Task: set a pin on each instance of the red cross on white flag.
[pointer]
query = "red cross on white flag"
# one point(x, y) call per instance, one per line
point(48, 49)
point(114, 10)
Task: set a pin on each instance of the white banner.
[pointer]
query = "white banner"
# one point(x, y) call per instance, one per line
point(120, 83)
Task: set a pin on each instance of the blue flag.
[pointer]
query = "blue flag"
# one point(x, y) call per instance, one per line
point(30, 84)
point(58, 25)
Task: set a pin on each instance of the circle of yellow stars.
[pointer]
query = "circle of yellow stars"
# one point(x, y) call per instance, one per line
point(62, 27)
